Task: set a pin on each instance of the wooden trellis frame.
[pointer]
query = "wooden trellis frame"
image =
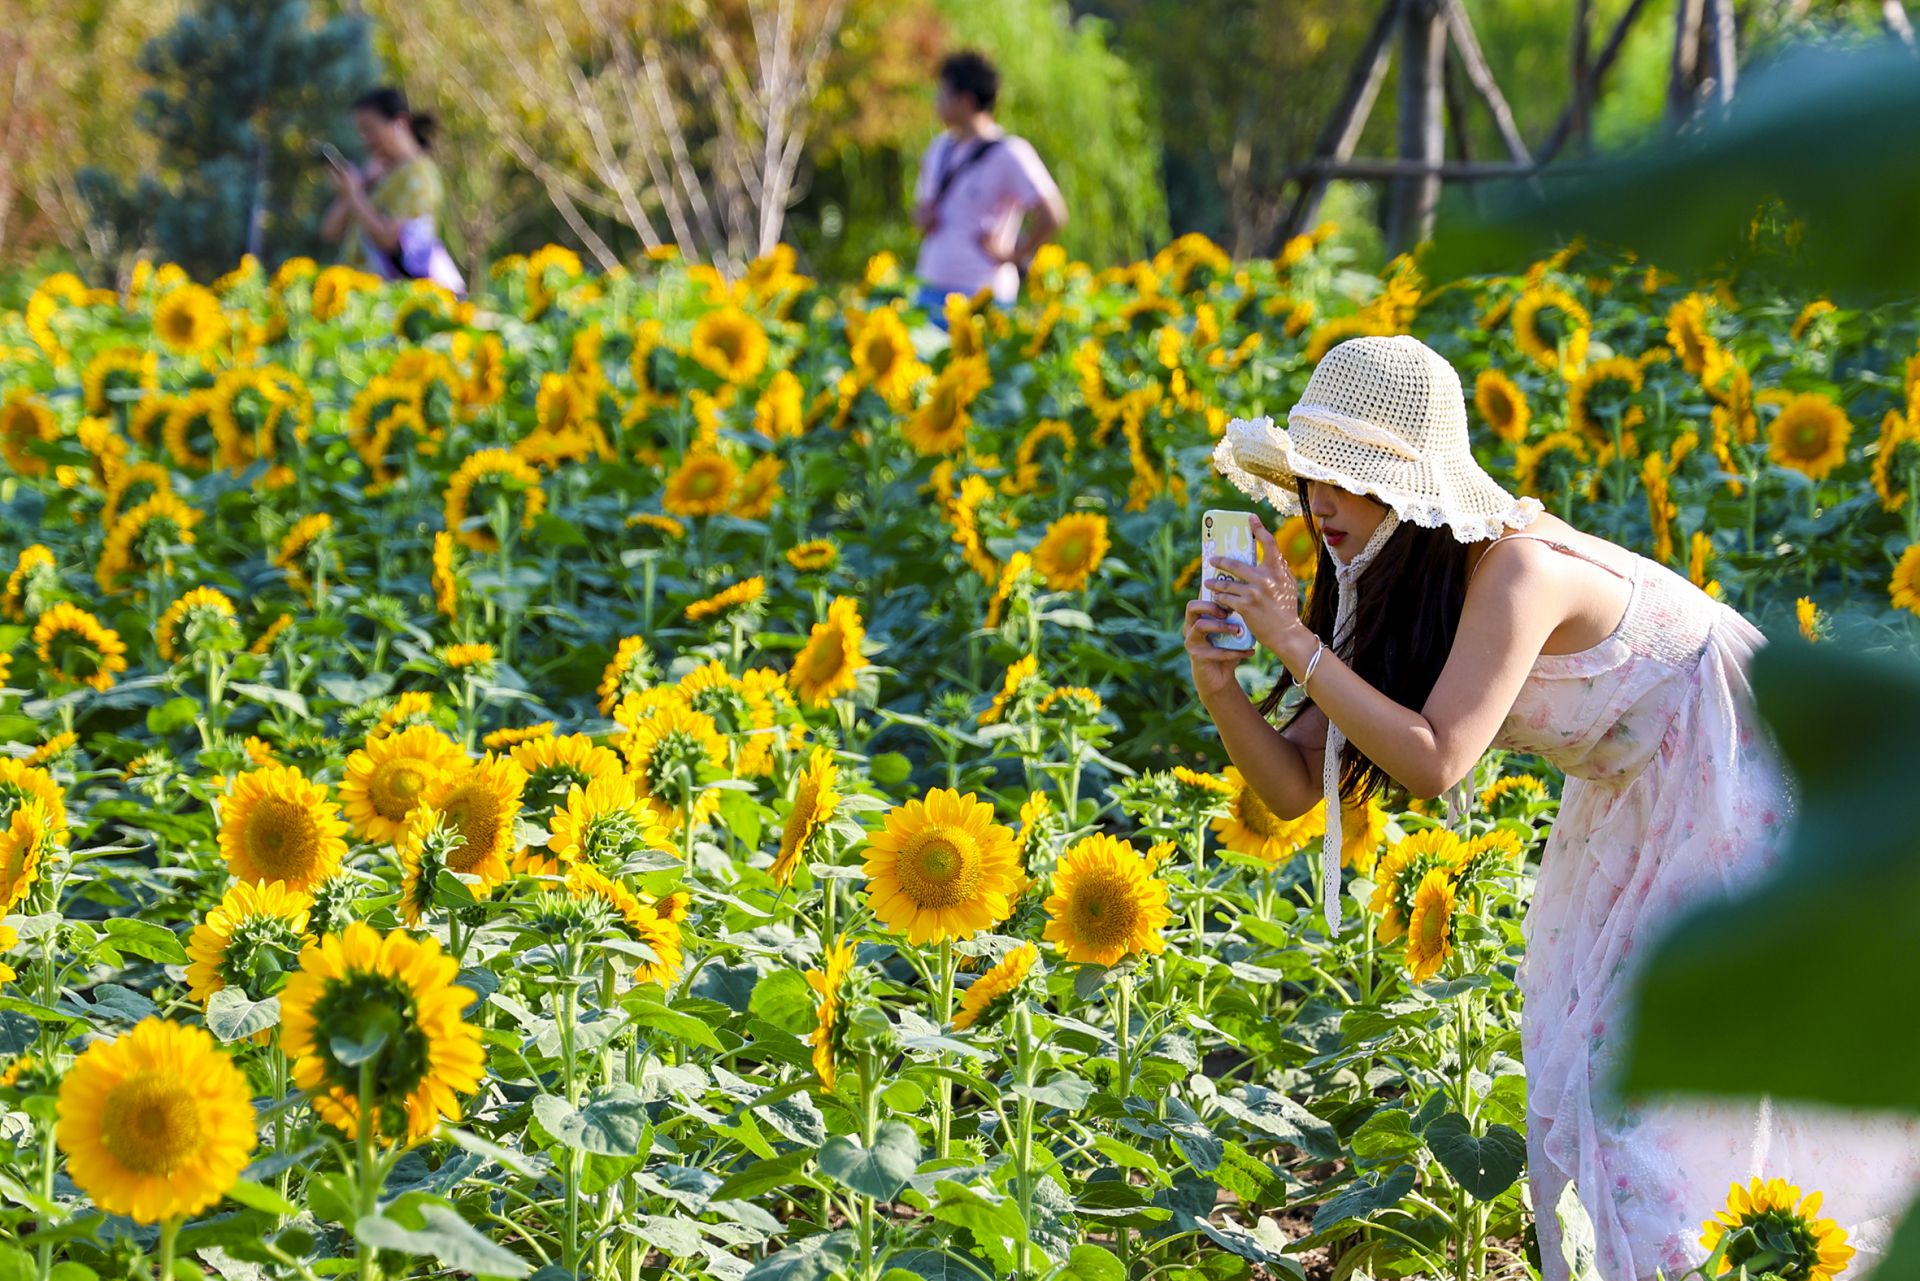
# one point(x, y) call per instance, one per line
point(1432, 101)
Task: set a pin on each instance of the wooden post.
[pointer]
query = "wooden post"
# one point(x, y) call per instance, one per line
point(1423, 132)
point(1466, 46)
point(1342, 133)
point(1685, 76)
point(1457, 127)
point(1719, 38)
point(1563, 127)
point(1580, 102)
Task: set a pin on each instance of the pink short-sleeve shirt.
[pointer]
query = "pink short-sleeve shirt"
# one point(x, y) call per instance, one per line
point(987, 198)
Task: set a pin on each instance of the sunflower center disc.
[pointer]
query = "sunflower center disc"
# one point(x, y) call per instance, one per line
point(281, 839)
point(1104, 912)
point(150, 1123)
point(942, 870)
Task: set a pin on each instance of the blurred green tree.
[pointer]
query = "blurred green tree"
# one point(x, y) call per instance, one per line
point(240, 90)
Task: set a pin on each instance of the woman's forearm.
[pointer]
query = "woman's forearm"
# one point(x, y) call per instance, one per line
point(334, 225)
point(1271, 763)
point(1398, 739)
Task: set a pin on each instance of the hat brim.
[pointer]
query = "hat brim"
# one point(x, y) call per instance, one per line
point(1264, 462)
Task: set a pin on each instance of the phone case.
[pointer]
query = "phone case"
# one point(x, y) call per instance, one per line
point(1225, 533)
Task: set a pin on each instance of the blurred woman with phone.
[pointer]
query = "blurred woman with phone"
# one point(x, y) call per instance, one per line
point(387, 214)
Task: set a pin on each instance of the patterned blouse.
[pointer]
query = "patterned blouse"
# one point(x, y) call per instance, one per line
point(413, 190)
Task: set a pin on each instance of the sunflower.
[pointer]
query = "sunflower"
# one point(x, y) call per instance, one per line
point(481, 801)
point(759, 489)
point(76, 649)
point(601, 824)
point(814, 556)
point(652, 923)
point(941, 868)
point(461, 657)
point(814, 801)
point(206, 614)
point(130, 486)
point(1903, 589)
point(780, 413)
point(54, 748)
point(1502, 403)
point(298, 543)
point(731, 344)
point(1106, 903)
point(1073, 702)
point(1250, 827)
point(1661, 509)
point(390, 777)
point(510, 478)
point(666, 526)
point(665, 753)
point(1810, 435)
point(835, 987)
point(555, 764)
point(1430, 927)
point(1771, 1219)
point(189, 320)
point(142, 538)
point(1689, 337)
point(157, 1124)
point(703, 484)
point(248, 941)
point(631, 670)
point(1020, 673)
point(1071, 550)
point(940, 425)
point(1013, 575)
point(1027, 471)
point(987, 998)
point(271, 633)
point(446, 578)
point(1570, 348)
point(31, 829)
point(1617, 378)
point(512, 736)
point(1300, 546)
point(829, 664)
point(883, 356)
point(276, 825)
point(427, 846)
point(392, 999)
point(33, 574)
point(1896, 460)
point(8, 937)
point(25, 421)
point(722, 603)
point(1524, 786)
point(1401, 872)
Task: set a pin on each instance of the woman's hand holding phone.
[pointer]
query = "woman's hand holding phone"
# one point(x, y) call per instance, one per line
point(1266, 597)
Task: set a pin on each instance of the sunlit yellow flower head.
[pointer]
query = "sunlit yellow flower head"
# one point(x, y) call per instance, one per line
point(645, 921)
point(297, 545)
point(1250, 827)
point(1767, 1215)
point(829, 665)
point(1072, 550)
point(1021, 673)
point(760, 488)
point(35, 822)
point(480, 800)
point(814, 801)
point(703, 485)
point(117, 374)
point(725, 602)
point(249, 941)
point(1810, 435)
point(941, 868)
point(189, 320)
point(731, 343)
point(1106, 903)
point(940, 426)
point(498, 471)
point(1903, 589)
point(814, 556)
point(75, 648)
point(25, 421)
point(391, 776)
point(35, 571)
point(202, 612)
point(883, 356)
point(157, 1124)
point(360, 983)
point(277, 825)
point(601, 825)
point(1401, 872)
point(666, 752)
point(834, 987)
point(1688, 335)
point(984, 1000)
point(1569, 349)
point(1430, 925)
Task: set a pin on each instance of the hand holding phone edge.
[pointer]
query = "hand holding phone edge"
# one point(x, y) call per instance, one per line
point(1226, 519)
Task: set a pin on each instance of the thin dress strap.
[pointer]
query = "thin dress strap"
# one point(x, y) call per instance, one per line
point(1551, 542)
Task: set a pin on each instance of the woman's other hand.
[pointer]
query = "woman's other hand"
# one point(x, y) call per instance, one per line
point(1213, 667)
point(346, 181)
point(1267, 598)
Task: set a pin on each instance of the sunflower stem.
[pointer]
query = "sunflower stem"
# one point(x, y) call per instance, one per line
point(569, 1015)
point(368, 1185)
point(1197, 906)
point(869, 1124)
point(1023, 1141)
point(169, 1229)
point(944, 1131)
point(1124, 1032)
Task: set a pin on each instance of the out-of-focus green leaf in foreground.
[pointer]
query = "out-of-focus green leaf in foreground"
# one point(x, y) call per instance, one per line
point(1833, 134)
point(1803, 987)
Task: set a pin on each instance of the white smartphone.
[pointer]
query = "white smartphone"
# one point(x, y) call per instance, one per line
point(1224, 533)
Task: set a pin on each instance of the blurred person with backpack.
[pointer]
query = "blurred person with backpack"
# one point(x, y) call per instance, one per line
point(984, 201)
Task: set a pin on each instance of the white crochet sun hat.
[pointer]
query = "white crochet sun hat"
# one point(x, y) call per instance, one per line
point(1383, 417)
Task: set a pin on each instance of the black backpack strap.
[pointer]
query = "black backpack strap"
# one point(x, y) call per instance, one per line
point(960, 166)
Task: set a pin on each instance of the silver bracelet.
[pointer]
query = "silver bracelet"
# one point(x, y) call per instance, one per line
point(1312, 663)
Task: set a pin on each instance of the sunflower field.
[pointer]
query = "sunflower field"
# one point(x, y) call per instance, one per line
point(651, 775)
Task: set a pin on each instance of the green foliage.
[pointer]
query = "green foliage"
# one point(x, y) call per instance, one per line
point(241, 89)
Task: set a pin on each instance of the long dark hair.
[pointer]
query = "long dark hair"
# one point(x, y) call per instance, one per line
point(390, 104)
point(1403, 628)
